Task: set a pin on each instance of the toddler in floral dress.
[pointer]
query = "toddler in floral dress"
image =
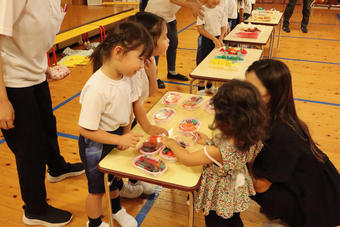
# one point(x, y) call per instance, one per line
point(226, 185)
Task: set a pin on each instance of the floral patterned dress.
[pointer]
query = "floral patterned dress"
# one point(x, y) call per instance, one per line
point(226, 190)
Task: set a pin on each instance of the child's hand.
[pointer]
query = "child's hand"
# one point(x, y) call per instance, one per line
point(221, 42)
point(201, 138)
point(168, 142)
point(217, 43)
point(129, 139)
point(155, 130)
point(122, 148)
point(150, 68)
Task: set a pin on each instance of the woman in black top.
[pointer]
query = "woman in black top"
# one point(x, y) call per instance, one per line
point(294, 180)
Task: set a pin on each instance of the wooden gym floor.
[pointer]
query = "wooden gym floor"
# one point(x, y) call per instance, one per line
point(314, 61)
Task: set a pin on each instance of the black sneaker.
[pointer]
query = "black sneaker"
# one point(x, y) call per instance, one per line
point(160, 84)
point(304, 29)
point(177, 76)
point(71, 170)
point(53, 217)
point(286, 29)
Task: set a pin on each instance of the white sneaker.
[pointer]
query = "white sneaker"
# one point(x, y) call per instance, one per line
point(125, 219)
point(148, 189)
point(103, 224)
point(201, 92)
point(131, 191)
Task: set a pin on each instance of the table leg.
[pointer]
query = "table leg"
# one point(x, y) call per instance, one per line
point(191, 85)
point(191, 209)
point(271, 47)
point(108, 198)
point(278, 38)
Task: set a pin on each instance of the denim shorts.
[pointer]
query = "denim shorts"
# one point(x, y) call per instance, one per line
point(91, 153)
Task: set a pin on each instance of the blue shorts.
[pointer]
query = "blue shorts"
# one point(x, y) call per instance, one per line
point(91, 153)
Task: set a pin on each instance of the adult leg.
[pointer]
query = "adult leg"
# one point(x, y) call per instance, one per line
point(58, 169)
point(279, 203)
point(143, 4)
point(172, 49)
point(55, 161)
point(213, 220)
point(172, 52)
point(28, 142)
point(288, 13)
point(305, 15)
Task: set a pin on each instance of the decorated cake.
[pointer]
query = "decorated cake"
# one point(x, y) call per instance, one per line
point(167, 155)
point(192, 102)
point(209, 107)
point(248, 31)
point(264, 15)
point(228, 58)
point(163, 115)
point(189, 126)
point(150, 165)
point(151, 146)
point(171, 98)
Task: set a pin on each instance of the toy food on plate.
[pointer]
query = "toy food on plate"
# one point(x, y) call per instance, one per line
point(168, 155)
point(151, 146)
point(150, 165)
point(193, 102)
point(189, 126)
point(171, 98)
point(163, 115)
point(209, 107)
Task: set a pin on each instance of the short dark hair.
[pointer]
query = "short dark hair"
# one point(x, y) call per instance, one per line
point(240, 113)
point(129, 35)
point(154, 24)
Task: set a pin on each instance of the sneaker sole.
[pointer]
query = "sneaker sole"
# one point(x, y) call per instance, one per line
point(29, 221)
point(63, 176)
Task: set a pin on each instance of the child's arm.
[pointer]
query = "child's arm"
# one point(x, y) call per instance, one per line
point(126, 130)
point(142, 119)
point(206, 34)
point(194, 158)
point(223, 34)
point(151, 71)
point(100, 136)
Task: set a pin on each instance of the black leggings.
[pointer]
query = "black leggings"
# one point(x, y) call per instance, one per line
point(213, 220)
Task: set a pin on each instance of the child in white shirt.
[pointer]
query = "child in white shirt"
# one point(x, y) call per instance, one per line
point(212, 29)
point(106, 101)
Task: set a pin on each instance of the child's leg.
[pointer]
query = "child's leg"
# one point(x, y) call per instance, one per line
point(235, 221)
point(213, 220)
point(94, 205)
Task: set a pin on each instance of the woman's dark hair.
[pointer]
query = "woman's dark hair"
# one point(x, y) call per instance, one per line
point(240, 113)
point(128, 35)
point(276, 77)
point(154, 24)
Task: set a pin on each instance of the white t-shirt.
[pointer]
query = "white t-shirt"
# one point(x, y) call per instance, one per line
point(163, 8)
point(105, 103)
point(232, 9)
point(27, 31)
point(141, 81)
point(245, 4)
point(214, 19)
